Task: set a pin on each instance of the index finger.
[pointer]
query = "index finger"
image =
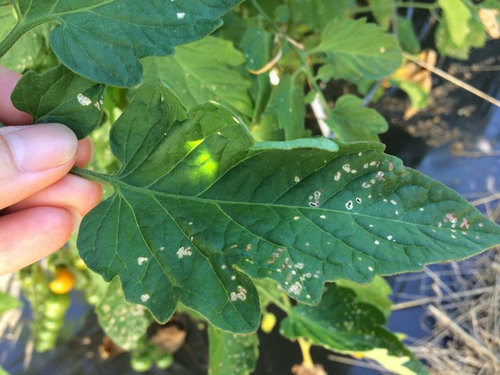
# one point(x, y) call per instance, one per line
point(10, 115)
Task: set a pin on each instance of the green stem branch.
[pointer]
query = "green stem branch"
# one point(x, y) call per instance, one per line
point(91, 175)
point(11, 38)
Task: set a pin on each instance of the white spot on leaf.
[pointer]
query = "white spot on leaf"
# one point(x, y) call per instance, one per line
point(240, 294)
point(83, 100)
point(184, 252)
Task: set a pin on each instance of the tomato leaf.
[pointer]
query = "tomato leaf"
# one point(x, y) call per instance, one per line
point(376, 293)
point(287, 103)
point(357, 50)
point(197, 209)
point(382, 10)
point(341, 324)
point(352, 122)
point(103, 40)
point(232, 353)
point(59, 95)
point(123, 322)
point(202, 71)
point(317, 14)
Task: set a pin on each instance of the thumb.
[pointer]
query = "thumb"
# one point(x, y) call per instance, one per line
point(32, 158)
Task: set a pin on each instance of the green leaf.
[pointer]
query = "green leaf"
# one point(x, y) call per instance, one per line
point(357, 50)
point(417, 94)
point(232, 353)
point(7, 19)
point(196, 211)
point(123, 322)
point(287, 102)
point(103, 40)
point(476, 38)
point(342, 324)
point(376, 293)
point(59, 95)
point(31, 50)
point(352, 122)
point(406, 35)
point(152, 240)
point(457, 15)
point(7, 302)
point(256, 45)
point(2, 371)
point(316, 14)
point(382, 10)
point(202, 71)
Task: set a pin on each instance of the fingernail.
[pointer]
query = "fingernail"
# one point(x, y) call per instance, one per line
point(77, 219)
point(38, 147)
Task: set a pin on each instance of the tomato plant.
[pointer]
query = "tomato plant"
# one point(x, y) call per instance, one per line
point(220, 200)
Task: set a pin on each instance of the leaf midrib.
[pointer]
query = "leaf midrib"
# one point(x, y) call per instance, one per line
point(119, 184)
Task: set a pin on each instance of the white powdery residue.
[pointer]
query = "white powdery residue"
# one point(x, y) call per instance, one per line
point(184, 252)
point(145, 297)
point(296, 218)
point(337, 176)
point(395, 203)
point(389, 237)
point(297, 179)
point(347, 168)
point(376, 242)
point(83, 100)
point(141, 260)
point(322, 217)
point(181, 15)
point(296, 289)
point(299, 266)
point(240, 294)
point(370, 269)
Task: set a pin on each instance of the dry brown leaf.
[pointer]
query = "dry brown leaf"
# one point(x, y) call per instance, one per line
point(108, 349)
point(169, 338)
point(412, 72)
point(490, 21)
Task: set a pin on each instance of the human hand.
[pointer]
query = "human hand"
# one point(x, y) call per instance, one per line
point(40, 203)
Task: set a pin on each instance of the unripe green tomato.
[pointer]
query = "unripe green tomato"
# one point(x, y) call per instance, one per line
point(164, 360)
point(56, 305)
point(47, 336)
point(52, 324)
point(43, 346)
point(141, 362)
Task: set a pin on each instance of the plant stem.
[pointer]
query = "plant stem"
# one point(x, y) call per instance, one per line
point(11, 39)
point(303, 55)
point(305, 348)
point(91, 175)
point(283, 306)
